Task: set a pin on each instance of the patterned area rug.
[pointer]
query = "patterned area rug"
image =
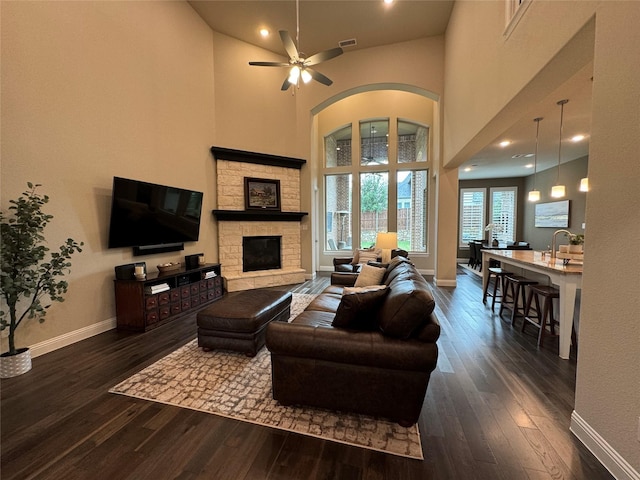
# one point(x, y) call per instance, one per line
point(236, 386)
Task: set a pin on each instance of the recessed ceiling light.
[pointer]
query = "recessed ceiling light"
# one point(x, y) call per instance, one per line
point(264, 32)
point(529, 155)
point(529, 165)
point(577, 138)
point(467, 169)
point(388, 1)
point(505, 143)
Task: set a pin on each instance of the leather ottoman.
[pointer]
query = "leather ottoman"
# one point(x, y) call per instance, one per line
point(238, 321)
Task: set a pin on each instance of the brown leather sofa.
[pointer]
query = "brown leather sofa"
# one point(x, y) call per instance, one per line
point(378, 365)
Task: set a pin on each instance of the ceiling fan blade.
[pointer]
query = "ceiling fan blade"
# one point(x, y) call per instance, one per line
point(317, 76)
point(289, 46)
point(323, 56)
point(270, 64)
point(286, 84)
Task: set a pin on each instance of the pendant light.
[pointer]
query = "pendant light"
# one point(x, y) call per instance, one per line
point(534, 195)
point(584, 184)
point(558, 191)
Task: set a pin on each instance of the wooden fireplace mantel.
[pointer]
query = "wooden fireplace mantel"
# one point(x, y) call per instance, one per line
point(232, 155)
point(257, 216)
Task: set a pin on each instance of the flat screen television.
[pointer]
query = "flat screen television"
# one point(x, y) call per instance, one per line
point(144, 214)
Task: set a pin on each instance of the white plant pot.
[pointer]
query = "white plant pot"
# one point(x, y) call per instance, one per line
point(575, 248)
point(14, 365)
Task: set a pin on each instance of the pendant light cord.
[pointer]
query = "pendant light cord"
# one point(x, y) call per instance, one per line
point(535, 157)
point(561, 103)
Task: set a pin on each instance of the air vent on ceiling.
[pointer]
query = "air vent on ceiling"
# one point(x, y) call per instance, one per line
point(347, 43)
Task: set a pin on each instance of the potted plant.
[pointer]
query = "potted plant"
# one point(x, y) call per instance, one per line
point(29, 277)
point(576, 242)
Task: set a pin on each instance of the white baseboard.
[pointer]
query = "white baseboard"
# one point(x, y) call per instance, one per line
point(611, 459)
point(72, 337)
point(445, 283)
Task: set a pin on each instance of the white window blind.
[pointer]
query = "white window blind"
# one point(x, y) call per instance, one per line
point(503, 212)
point(472, 208)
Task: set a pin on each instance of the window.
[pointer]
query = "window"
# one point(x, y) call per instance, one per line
point(338, 209)
point(503, 213)
point(472, 215)
point(374, 142)
point(337, 147)
point(358, 194)
point(413, 142)
point(374, 205)
point(412, 210)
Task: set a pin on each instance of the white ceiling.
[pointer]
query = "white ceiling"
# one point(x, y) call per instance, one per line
point(324, 23)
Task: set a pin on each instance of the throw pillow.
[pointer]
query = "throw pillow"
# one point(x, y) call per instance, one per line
point(356, 255)
point(369, 275)
point(358, 307)
point(368, 256)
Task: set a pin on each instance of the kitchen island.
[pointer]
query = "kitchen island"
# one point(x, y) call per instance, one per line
point(568, 279)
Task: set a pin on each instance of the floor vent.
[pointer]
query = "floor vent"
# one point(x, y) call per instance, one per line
point(347, 43)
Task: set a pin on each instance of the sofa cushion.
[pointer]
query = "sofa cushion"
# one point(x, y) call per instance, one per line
point(369, 275)
point(325, 302)
point(358, 307)
point(407, 306)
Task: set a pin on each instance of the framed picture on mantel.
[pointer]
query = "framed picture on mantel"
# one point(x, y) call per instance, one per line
point(552, 214)
point(261, 194)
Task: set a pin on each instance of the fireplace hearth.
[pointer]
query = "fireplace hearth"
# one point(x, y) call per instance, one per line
point(261, 253)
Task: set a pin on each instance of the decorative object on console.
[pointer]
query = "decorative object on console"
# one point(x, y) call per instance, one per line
point(192, 261)
point(387, 241)
point(32, 277)
point(140, 270)
point(263, 194)
point(168, 267)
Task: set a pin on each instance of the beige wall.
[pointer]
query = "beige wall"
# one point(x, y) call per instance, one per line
point(96, 89)
point(513, 74)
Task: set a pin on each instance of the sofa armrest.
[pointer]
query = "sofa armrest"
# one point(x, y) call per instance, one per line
point(344, 279)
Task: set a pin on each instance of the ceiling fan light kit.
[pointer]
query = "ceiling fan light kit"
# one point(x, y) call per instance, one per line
point(298, 63)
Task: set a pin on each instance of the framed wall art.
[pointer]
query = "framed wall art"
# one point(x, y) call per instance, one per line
point(552, 214)
point(261, 194)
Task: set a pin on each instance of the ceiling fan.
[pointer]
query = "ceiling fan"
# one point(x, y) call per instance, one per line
point(298, 63)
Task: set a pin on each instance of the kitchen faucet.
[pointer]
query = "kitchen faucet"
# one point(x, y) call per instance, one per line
point(553, 242)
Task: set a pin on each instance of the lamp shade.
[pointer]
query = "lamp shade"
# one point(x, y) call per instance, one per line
point(557, 191)
point(584, 184)
point(387, 240)
point(534, 195)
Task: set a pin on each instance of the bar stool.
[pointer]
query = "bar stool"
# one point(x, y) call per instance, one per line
point(514, 292)
point(498, 275)
point(544, 317)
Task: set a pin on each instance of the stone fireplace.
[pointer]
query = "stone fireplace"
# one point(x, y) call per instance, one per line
point(236, 223)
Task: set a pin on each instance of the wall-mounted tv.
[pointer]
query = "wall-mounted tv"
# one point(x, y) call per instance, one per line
point(144, 214)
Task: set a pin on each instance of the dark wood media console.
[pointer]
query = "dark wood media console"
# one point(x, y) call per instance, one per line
point(140, 307)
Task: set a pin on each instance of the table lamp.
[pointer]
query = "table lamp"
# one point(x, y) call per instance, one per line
point(386, 241)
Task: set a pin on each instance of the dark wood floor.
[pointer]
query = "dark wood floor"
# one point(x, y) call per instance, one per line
point(496, 408)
